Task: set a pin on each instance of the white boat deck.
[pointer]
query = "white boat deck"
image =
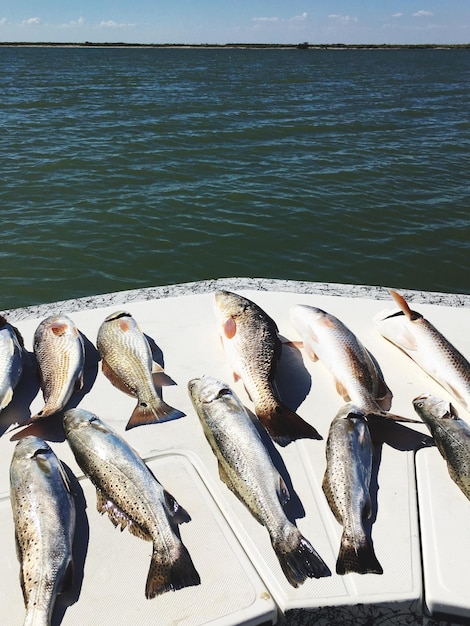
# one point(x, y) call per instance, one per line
point(420, 528)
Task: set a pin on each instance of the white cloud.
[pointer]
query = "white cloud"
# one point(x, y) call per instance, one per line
point(3, 21)
point(343, 18)
point(32, 20)
point(265, 19)
point(423, 14)
point(397, 15)
point(113, 24)
point(299, 18)
point(74, 23)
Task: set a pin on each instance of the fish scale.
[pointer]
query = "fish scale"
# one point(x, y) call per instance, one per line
point(11, 360)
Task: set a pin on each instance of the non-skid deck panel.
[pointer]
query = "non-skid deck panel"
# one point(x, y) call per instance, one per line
point(183, 327)
point(111, 566)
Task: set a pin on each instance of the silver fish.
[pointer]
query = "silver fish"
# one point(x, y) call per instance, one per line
point(11, 360)
point(60, 355)
point(44, 516)
point(451, 435)
point(253, 349)
point(247, 469)
point(357, 375)
point(132, 497)
point(127, 362)
point(421, 341)
point(349, 457)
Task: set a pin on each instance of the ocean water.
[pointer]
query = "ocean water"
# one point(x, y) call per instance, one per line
point(125, 168)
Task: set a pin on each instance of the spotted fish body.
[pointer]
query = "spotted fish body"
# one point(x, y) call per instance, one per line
point(60, 354)
point(451, 435)
point(253, 349)
point(11, 361)
point(127, 362)
point(44, 515)
point(423, 343)
point(346, 483)
point(132, 497)
point(357, 375)
point(247, 469)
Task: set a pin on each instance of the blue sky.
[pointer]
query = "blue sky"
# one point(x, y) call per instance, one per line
point(251, 21)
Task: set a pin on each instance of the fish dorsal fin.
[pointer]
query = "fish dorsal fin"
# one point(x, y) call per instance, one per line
point(230, 328)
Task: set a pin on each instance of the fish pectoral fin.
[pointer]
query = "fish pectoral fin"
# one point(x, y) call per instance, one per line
point(115, 380)
point(175, 510)
point(310, 352)
point(405, 339)
point(341, 389)
point(230, 328)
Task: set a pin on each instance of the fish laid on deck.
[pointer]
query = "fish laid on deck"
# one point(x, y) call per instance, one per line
point(247, 469)
point(346, 483)
point(357, 375)
point(133, 498)
point(451, 435)
point(253, 349)
point(421, 341)
point(11, 360)
point(128, 363)
point(60, 356)
point(44, 517)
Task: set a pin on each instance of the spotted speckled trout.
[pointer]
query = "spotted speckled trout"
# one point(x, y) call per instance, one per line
point(253, 349)
point(60, 355)
point(132, 497)
point(44, 516)
point(349, 456)
point(421, 341)
point(247, 469)
point(11, 360)
point(451, 435)
point(128, 363)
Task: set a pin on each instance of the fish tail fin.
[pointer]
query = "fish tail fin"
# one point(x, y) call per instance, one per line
point(357, 556)
point(150, 413)
point(298, 559)
point(284, 425)
point(165, 575)
point(393, 417)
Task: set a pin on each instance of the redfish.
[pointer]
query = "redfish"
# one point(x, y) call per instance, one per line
point(253, 349)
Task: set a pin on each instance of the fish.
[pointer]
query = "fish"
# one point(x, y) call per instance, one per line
point(451, 435)
point(246, 467)
point(133, 498)
point(253, 348)
point(12, 355)
point(422, 342)
point(357, 375)
point(346, 485)
point(128, 363)
point(60, 354)
point(44, 516)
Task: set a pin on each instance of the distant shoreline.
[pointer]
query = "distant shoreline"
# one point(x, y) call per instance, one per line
point(269, 46)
